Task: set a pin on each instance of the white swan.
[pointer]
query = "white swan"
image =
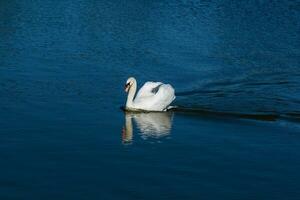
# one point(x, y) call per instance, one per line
point(153, 96)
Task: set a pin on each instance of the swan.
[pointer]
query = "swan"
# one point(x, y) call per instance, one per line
point(153, 96)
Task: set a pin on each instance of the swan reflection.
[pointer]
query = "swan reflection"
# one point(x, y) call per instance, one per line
point(150, 125)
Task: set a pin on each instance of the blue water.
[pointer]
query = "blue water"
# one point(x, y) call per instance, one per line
point(235, 66)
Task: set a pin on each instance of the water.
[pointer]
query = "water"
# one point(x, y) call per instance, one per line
point(236, 70)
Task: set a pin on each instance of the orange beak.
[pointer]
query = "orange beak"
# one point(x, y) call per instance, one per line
point(126, 87)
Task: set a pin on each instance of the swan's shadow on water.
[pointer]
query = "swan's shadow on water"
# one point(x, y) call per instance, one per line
point(150, 125)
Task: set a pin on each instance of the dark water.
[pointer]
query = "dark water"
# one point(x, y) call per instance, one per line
point(235, 66)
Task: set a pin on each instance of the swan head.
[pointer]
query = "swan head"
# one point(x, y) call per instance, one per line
point(130, 81)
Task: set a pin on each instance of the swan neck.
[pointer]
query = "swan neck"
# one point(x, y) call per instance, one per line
point(131, 93)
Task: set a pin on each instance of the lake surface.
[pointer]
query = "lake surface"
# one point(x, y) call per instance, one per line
point(235, 66)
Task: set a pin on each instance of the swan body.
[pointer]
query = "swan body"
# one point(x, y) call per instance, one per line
point(153, 96)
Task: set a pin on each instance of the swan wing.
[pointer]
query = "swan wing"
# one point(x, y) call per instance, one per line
point(148, 89)
point(158, 101)
point(164, 97)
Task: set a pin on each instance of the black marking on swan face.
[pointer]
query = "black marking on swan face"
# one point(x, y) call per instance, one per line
point(155, 90)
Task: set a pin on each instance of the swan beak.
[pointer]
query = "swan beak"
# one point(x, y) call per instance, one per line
point(126, 87)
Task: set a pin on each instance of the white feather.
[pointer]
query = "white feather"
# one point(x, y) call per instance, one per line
point(146, 89)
